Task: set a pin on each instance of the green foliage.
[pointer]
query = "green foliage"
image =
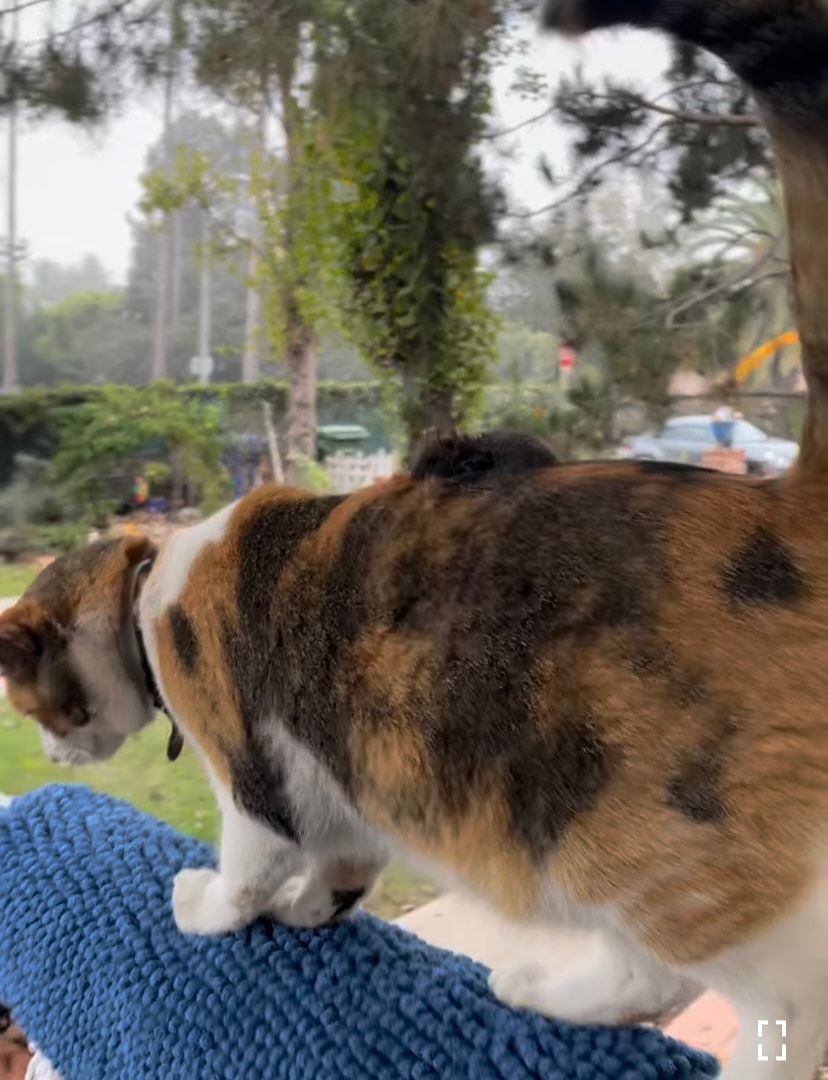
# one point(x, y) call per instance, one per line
point(30, 499)
point(100, 438)
point(60, 539)
point(84, 337)
point(52, 282)
point(310, 475)
point(88, 61)
point(405, 92)
point(32, 420)
point(740, 277)
point(618, 322)
point(680, 133)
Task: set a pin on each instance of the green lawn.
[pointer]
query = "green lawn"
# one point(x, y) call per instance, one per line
point(14, 578)
point(175, 792)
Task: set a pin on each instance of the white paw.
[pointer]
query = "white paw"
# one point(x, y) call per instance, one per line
point(200, 905)
point(563, 996)
point(518, 986)
point(617, 994)
point(304, 902)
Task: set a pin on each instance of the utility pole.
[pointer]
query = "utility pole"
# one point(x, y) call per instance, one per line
point(177, 255)
point(205, 360)
point(158, 368)
point(10, 376)
point(253, 336)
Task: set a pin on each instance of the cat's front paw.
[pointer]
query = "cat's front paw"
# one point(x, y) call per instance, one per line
point(200, 904)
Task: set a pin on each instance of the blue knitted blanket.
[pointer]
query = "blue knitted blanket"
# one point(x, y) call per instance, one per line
point(99, 978)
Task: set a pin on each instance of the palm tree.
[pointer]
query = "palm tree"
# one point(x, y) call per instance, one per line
point(743, 248)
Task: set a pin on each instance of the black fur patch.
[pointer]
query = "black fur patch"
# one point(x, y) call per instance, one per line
point(763, 572)
point(470, 459)
point(252, 645)
point(266, 546)
point(676, 470)
point(345, 899)
point(321, 617)
point(185, 640)
point(695, 788)
point(259, 789)
point(581, 15)
point(554, 779)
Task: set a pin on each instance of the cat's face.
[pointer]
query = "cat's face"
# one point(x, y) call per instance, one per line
point(69, 653)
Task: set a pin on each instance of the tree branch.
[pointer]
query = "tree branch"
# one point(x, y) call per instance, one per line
point(590, 175)
point(111, 10)
point(713, 119)
point(510, 131)
point(682, 116)
point(747, 279)
point(22, 5)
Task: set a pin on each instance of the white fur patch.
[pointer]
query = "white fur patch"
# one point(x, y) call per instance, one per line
point(170, 573)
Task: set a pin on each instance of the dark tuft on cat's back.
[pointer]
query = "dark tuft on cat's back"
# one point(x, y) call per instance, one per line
point(471, 459)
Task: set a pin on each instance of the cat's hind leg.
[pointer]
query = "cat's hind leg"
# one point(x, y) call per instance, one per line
point(778, 984)
point(609, 982)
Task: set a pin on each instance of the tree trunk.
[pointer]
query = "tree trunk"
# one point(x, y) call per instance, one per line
point(250, 369)
point(300, 438)
point(425, 411)
point(253, 336)
point(10, 374)
point(177, 260)
point(300, 335)
point(161, 317)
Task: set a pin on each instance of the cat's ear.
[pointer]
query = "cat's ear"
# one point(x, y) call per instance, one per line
point(23, 631)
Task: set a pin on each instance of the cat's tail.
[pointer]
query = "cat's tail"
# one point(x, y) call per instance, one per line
point(780, 49)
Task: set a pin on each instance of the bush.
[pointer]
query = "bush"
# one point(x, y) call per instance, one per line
point(60, 539)
point(310, 475)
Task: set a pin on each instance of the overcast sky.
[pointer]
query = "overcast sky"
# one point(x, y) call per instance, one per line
point(77, 189)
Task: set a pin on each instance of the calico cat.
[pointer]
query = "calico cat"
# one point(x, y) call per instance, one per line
point(593, 694)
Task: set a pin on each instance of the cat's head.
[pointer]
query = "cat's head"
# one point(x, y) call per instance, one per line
point(70, 655)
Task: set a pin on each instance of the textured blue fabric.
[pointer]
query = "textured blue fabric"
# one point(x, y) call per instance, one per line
point(99, 978)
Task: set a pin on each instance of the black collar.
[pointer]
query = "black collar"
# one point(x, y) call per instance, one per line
point(175, 743)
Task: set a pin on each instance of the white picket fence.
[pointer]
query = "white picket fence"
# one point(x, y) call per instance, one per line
point(350, 472)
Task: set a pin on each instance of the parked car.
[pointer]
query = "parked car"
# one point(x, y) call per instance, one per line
point(689, 438)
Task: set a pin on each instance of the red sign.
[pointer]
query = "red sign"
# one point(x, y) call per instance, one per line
point(566, 358)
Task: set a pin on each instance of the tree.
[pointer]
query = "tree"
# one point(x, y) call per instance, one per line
point(744, 267)
point(88, 58)
point(206, 136)
point(700, 136)
point(617, 323)
point(88, 337)
point(405, 91)
point(50, 281)
point(253, 56)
